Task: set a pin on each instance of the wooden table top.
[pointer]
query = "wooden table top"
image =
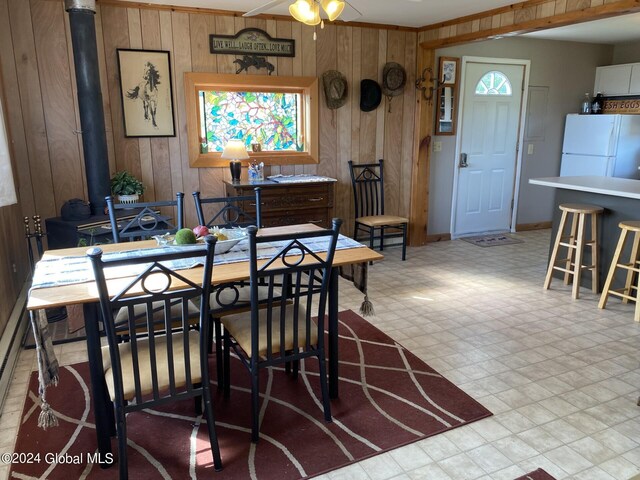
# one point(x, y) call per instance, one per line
point(79, 293)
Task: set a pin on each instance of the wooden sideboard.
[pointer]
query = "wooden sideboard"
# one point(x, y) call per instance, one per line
point(289, 203)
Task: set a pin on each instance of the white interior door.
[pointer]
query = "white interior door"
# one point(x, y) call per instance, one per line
point(490, 125)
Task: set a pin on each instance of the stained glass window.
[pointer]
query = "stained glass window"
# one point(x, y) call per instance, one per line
point(494, 83)
point(271, 119)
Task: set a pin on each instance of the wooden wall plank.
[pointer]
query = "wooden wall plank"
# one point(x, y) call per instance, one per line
point(32, 107)
point(326, 60)
point(115, 29)
point(166, 35)
point(104, 87)
point(309, 65)
point(368, 70)
point(380, 112)
point(182, 51)
point(393, 110)
point(356, 62)
point(342, 190)
point(408, 118)
point(14, 115)
point(58, 100)
point(160, 166)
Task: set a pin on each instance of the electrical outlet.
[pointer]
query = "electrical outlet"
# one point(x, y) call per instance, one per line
point(530, 149)
point(437, 146)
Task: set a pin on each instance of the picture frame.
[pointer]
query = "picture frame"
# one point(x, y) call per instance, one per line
point(146, 92)
point(447, 96)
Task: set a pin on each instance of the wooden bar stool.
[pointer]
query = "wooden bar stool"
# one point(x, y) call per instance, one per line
point(575, 243)
point(632, 267)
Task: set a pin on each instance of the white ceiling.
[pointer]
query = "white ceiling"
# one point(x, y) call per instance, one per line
point(409, 13)
point(625, 28)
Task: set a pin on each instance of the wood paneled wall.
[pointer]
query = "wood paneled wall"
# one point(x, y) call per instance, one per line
point(43, 107)
point(521, 17)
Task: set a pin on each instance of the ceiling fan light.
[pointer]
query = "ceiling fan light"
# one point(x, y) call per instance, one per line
point(305, 11)
point(333, 8)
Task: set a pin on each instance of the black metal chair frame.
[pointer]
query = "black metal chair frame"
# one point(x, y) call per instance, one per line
point(230, 215)
point(305, 277)
point(146, 223)
point(367, 180)
point(128, 297)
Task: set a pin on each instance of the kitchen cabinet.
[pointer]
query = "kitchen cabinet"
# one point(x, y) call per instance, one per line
point(289, 203)
point(618, 79)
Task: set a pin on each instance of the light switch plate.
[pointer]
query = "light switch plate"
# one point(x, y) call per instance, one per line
point(437, 146)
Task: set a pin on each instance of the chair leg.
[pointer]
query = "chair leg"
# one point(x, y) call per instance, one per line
point(571, 251)
point(324, 389)
point(217, 330)
point(296, 368)
point(595, 246)
point(211, 426)
point(255, 405)
point(381, 239)
point(404, 242)
point(197, 401)
point(227, 365)
point(633, 258)
point(371, 232)
point(121, 428)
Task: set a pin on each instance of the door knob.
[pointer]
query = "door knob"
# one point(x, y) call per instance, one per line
point(463, 161)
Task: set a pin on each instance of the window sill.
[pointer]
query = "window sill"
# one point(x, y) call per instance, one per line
point(268, 158)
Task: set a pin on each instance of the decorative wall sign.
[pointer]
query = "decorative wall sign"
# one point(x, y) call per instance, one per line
point(252, 41)
point(447, 96)
point(145, 86)
point(253, 61)
point(631, 105)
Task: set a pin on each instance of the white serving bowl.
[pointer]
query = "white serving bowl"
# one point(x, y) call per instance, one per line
point(234, 236)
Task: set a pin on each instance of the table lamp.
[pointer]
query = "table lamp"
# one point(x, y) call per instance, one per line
point(235, 151)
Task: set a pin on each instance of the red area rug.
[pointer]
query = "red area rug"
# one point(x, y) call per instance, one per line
point(388, 398)
point(539, 474)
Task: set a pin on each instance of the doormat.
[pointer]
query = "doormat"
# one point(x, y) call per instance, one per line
point(388, 398)
point(539, 474)
point(492, 240)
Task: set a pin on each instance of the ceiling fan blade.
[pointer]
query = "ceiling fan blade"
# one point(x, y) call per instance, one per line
point(350, 13)
point(264, 8)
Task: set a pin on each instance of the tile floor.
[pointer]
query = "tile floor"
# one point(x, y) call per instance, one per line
point(561, 377)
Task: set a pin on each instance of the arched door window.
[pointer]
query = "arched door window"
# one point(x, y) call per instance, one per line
point(494, 83)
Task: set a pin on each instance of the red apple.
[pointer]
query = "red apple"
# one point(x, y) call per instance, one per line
point(201, 231)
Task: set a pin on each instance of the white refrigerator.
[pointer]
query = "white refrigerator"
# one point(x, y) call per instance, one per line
point(602, 145)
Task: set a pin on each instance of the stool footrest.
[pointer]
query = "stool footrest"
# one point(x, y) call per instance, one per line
point(618, 293)
point(628, 266)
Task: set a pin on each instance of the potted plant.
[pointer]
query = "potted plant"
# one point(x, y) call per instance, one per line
point(127, 187)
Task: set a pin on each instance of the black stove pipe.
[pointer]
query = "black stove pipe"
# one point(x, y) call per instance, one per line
point(94, 141)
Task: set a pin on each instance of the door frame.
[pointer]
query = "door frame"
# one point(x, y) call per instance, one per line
point(520, 140)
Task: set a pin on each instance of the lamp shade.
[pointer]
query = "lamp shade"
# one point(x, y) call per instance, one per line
point(235, 150)
point(333, 8)
point(305, 11)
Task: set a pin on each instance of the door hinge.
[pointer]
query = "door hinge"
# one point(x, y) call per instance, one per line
point(512, 203)
point(517, 146)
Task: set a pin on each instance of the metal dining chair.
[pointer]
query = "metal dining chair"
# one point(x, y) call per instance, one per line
point(169, 363)
point(228, 212)
point(367, 180)
point(283, 329)
point(148, 221)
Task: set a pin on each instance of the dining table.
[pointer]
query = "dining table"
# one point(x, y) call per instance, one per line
point(50, 295)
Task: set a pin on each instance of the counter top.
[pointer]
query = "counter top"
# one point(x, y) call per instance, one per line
point(616, 187)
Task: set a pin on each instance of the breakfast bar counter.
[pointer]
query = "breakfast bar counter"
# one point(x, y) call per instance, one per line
point(620, 198)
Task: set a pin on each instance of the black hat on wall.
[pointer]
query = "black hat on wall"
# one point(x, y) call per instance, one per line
point(370, 95)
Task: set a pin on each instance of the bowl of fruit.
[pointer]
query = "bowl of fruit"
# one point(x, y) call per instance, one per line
point(227, 237)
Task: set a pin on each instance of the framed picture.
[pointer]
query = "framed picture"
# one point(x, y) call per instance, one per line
point(447, 96)
point(145, 86)
point(448, 70)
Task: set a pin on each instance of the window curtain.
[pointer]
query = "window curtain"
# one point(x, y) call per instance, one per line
point(7, 188)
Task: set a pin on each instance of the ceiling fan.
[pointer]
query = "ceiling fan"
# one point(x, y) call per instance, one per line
point(309, 11)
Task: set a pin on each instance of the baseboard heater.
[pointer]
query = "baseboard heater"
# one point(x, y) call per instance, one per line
point(11, 342)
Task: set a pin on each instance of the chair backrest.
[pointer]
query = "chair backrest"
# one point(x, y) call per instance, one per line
point(230, 212)
point(157, 285)
point(368, 188)
point(297, 275)
point(147, 222)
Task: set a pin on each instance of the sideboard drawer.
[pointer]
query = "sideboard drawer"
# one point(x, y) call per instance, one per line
point(289, 204)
